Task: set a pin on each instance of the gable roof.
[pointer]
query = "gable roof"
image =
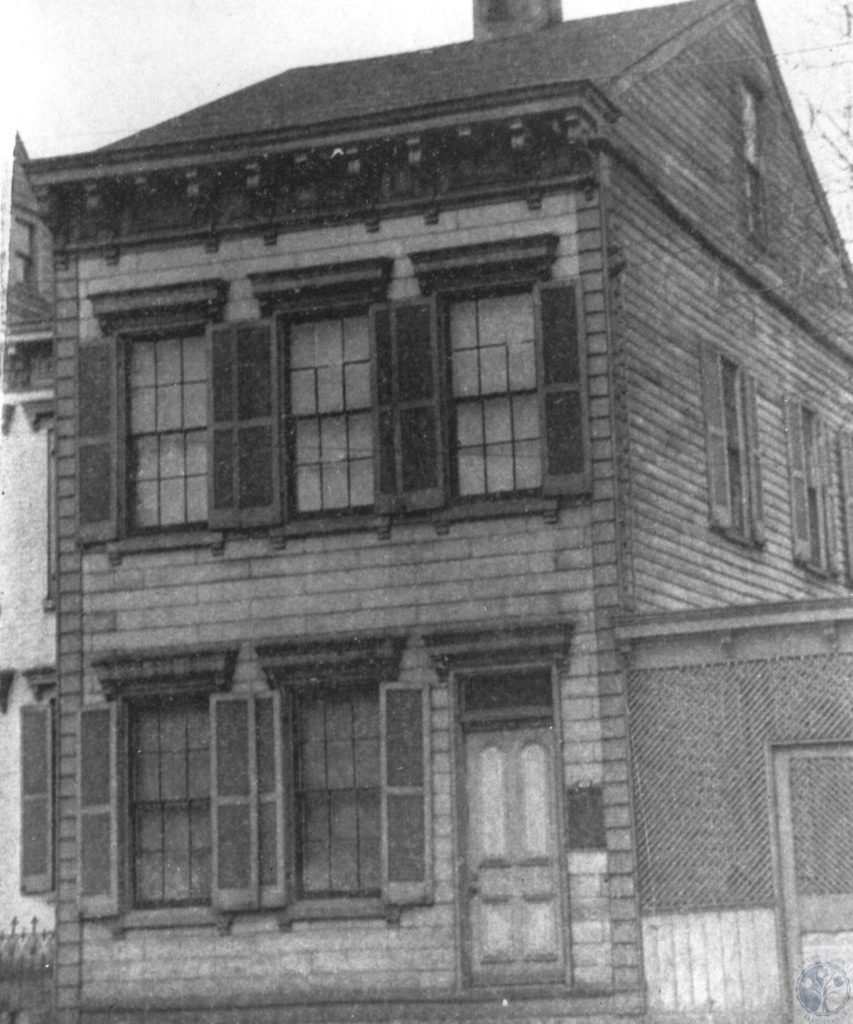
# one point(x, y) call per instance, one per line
point(591, 49)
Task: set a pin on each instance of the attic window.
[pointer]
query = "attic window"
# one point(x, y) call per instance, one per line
point(751, 135)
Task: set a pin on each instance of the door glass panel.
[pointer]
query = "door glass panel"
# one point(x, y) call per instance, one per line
point(535, 809)
point(492, 814)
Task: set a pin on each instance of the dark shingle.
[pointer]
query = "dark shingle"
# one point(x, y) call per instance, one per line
point(596, 49)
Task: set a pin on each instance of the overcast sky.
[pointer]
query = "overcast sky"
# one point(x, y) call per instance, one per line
point(82, 73)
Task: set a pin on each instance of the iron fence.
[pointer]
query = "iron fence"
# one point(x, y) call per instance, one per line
point(27, 958)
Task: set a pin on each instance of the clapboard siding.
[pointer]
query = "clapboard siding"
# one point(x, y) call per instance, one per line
point(670, 307)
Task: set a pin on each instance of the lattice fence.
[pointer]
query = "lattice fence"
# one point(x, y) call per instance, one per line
point(699, 737)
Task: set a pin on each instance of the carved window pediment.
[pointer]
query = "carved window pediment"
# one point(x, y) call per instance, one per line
point(177, 670)
point(477, 647)
point(510, 262)
point(321, 287)
point(371, 657)
point(177, 305)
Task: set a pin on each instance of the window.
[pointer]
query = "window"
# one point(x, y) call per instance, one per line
point(37, 797)
point(732, 442)
point(337, 404)
point(812, 504)
point(307, 796)
point(753, 177)
point(170, 802)
point(337, 792)
point(167, 432)
point(23, 252)
point(496, 415)
point(330, 424)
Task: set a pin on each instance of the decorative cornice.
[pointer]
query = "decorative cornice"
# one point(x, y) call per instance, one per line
point(172, 670)
point(511, 261)
point(359, 657)
point(41, 681)
point(323, 286)
point(486, 645)
point(177, 305)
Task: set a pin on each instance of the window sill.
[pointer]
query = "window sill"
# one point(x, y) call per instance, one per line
point(496, 508)
point(156, 542)
point(338, 910)
point(740, 539)
point(347, 523)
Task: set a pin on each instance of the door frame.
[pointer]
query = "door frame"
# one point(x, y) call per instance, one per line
point(489, 721)
point(779, 756)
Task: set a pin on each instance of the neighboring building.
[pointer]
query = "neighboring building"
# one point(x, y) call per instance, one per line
point(27, 602)
point(455, 515)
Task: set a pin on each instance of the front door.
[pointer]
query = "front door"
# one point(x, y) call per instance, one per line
point(514, 901)
point(814, 793)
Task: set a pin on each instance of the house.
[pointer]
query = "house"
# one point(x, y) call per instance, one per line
point(27, 602)
point(455, 512)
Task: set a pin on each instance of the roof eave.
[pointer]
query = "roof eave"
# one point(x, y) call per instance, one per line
point(106, 163)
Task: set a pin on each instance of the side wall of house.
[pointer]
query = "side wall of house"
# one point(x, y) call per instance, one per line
point(518, 568)
point(676, 296)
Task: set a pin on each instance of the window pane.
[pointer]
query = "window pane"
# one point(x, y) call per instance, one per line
point(173, 781)
point(143, 414)
point(330, 389)
point(466, 373)
point(149, 835)
point(196, 445)
point(308, 497)
point(525, 417)
point(463, 325)
point(469, 424)
point(146, 504)
point(358, 386)
point(522, 367)
point(361, 482)
point(302, 346)
point(335, 486)
point(356, 338)
point(169, 408)
point(498, 424)
point(172, 455)
point(169, 361)
point(197, 500)
point(195, 405)
point(195, 359)
point(145, 454)
point(472, 473)
point(172, 507)
point(360, 436)
point(528, 465)
point(499, 467)
point(142, 370)
point(307, 441)
point(302, 397)
point(493, 370)
point(333, 438)
point(149, 878)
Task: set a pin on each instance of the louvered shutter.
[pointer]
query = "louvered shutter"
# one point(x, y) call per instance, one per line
point(409, 467)
point(248, 839)
point(797, 476)
point(753, 447)
point(98, 812)
point(563, 394)
point(833, 559)
point(719, 499)
point(406, 840)
point(37, 798)
point(845, 451)
point(97, 485)
point(244, 486)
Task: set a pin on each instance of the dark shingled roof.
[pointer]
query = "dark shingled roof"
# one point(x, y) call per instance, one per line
point(596, 49)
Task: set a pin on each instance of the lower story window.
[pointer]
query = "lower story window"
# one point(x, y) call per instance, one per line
point(338, 791)
point(170, 803)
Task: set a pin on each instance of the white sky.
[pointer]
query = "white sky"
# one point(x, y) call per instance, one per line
point(82, 73)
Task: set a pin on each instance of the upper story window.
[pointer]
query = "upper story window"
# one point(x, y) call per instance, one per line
point(496, 416)
point(813, 513)
point(335, 404)
point(23, 252)
point(167, 432)
point(752, 161)
point(330, 435)
point(733, 450)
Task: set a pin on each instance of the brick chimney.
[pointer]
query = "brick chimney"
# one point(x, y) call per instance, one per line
point(496, 18)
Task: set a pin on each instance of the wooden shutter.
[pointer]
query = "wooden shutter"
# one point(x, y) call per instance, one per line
point(98, 812)
point(753, 452)
point(797, 475)
point(845, 452)
point(405, 766)
point(409, 456)
point(563, 393)
point(37, 798)
point(97, 484)
point(244, 471)
point(248, 840)
point(717, 461)
point(830, 512)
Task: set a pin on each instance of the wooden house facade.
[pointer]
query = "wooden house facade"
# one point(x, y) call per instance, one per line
point(455, 507)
